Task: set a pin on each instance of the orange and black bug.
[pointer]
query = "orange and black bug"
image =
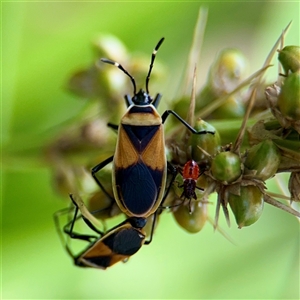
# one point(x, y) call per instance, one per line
point(104, 249)
point(190, 174)
point(139, 165)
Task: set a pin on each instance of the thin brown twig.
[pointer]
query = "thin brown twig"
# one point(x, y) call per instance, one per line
point(270, 200)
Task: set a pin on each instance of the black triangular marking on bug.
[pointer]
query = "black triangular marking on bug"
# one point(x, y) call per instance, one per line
point(140, 136)
point(128, 241)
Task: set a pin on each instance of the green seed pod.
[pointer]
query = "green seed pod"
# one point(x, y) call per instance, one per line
point(264, 158)
point(97, 80)
point(191, 222)
point(208, 142)
point(225, 74)
point(227, 71)
point(289, 97)
point(233, 108)
point(248, 206)
point(108, 45)
point(289, 58)
point(226, 167)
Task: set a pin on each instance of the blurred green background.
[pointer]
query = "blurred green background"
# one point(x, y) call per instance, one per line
point(42, 44)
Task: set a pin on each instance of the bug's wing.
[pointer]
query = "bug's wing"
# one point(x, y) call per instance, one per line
point(138, 191)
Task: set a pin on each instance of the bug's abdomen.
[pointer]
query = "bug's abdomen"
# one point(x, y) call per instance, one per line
point(140, 189)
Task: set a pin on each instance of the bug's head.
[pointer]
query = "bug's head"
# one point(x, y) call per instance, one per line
point(137, 222)
point(142, 97)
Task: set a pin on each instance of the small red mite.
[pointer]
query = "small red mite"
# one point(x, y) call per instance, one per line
point(190, 174)
point(191, 170)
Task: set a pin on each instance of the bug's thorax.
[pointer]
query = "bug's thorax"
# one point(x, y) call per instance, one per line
point(141, 115)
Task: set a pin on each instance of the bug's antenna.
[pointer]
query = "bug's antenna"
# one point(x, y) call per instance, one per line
point(152, 61)
point(108, 61)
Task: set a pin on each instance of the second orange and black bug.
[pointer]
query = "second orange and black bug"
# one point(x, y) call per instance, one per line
point(103, 249)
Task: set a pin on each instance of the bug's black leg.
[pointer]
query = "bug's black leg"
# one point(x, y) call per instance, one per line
point(67, 231)
point(173, 172)
point(128, 100)
point(69, 227)
point(56, 217)
point(188, 126)
point(96, 169)
point(199, 188)
point(113, 126)
point(87, 222)
point(152, 229)
point(156, 101)
point(78, 236)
